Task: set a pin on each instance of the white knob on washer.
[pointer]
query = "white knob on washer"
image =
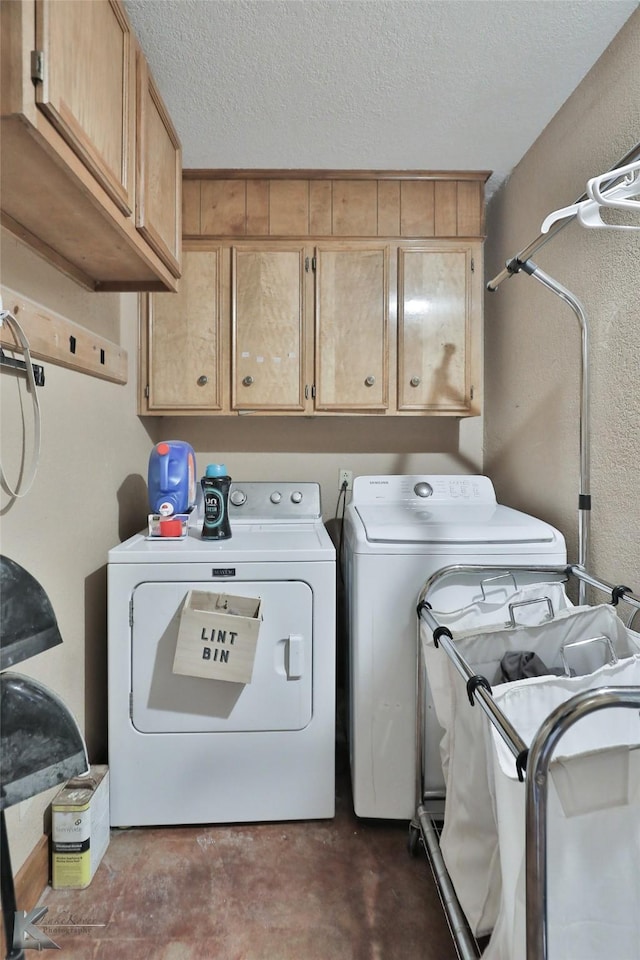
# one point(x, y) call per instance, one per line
point(423, 489)
point(238, 497)
point(275, 497)
point(296, 497)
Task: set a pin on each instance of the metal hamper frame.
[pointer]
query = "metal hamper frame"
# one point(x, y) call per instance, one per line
point(533, 761)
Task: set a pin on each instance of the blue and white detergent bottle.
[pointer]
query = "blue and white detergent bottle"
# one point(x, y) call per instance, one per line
point(172, 478)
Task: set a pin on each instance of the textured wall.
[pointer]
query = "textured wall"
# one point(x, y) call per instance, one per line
point(85, 496)
point(533, 340)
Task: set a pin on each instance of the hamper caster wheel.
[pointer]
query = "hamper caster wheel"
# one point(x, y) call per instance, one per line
point(413, 840)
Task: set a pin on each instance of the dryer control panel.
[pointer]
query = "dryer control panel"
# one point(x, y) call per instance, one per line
point(277, 501)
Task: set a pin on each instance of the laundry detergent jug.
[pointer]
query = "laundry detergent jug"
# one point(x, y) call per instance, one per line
point(172, 478)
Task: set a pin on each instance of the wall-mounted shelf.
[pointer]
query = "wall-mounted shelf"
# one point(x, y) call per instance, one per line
point(54, 338)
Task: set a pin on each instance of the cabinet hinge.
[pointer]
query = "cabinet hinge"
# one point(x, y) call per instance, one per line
point(131, 706)
point(146, 391)
point(471, 392)
point(37, 66)
point(314, 264)
point(130, 613)
point(473, 265)
point(313, 390)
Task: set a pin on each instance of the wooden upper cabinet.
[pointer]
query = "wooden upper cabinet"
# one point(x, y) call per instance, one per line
point(90, 178)
point(439, 329)
point(159, 169)
point(351, 320)
point(337, 204)
point(268, 327)
point(184, 341)
point(87, 89)
point(343, 293)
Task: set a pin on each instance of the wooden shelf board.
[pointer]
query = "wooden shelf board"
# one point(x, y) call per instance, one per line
point(57, 340)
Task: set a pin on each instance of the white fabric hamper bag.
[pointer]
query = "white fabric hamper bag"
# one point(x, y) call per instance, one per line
point(593, 823)
point(469, 840)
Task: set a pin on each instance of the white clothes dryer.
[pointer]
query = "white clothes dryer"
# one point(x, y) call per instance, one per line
point(185, 749)
point(398, 532)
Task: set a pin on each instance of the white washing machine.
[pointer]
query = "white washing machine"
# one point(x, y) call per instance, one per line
point(399, 531)
point(185, 749)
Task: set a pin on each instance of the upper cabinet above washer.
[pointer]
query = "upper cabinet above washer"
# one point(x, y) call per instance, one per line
point(91, 163)
point(344, 293)
point(333, 204)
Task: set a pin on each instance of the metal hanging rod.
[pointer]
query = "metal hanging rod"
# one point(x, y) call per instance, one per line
point(523, 262)
point(515, 263)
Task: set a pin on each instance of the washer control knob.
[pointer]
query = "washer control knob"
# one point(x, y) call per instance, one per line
point(296, 497)
point(275, 497)
point(238, 497)
point(423, 489)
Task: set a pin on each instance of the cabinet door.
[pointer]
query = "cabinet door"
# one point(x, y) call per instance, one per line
point(159, 166)
point(185, 342)
point(267, 308)
point(439, 332)
point(351, 328)
point(87, 87)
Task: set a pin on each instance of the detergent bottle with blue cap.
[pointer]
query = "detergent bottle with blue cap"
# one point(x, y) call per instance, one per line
point(215, 491)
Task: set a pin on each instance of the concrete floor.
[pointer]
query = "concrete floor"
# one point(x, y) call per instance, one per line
point(341, 889)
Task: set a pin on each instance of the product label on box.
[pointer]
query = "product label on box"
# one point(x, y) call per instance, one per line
point(71, 869)
point(71, 829)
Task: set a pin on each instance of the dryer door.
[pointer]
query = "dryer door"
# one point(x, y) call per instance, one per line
point(279, 696)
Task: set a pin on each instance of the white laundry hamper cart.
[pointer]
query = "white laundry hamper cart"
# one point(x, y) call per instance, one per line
point(588, 638)
point(593, 822)
point(469, 838)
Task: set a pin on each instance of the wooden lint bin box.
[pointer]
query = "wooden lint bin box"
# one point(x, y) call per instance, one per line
point(217, 636)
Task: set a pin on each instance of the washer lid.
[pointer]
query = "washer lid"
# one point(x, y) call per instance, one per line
point(440, 523)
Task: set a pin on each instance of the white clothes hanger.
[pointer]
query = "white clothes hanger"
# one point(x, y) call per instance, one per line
point(617, 196)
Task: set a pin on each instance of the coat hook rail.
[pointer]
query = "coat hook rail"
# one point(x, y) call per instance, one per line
point(60, 341)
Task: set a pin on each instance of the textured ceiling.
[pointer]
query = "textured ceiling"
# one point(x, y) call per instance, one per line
point(369, 84)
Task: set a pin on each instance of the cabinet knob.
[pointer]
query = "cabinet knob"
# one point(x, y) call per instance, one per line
point(247, 381)
point(369, 381)
point(415, 381)
point(203, 381)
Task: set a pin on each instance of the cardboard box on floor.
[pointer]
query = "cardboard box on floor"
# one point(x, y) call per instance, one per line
point(79, 829)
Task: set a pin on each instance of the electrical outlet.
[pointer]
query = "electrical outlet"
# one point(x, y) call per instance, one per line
point(346, 476)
